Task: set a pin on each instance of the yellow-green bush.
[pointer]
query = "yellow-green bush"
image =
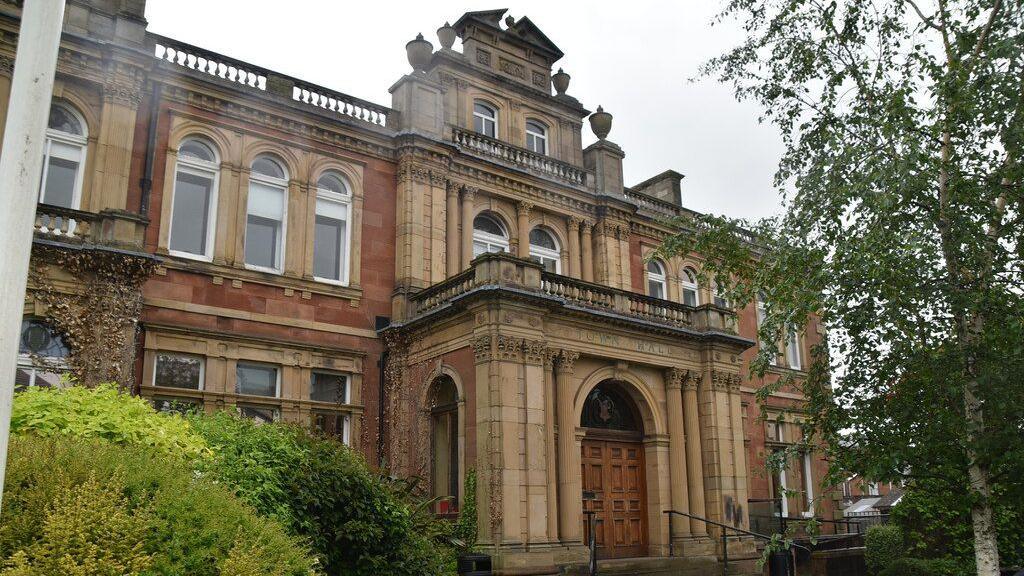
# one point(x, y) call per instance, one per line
point(106, 413)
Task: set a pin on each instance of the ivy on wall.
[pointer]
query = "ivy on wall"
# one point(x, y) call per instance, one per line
point(93, 299)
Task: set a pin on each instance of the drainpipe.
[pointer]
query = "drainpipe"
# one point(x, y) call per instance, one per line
point(146, 183)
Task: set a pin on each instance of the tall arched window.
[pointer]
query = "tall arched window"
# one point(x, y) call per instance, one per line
point(265, 220)
point(690, 288)
point(444, 436)
point(489, 235)
point(656, 279)
point(536, 137)
point(64, 158)
point(332, 236)
point(485, 119)
point(42, 356)
point(544, 250)
point(194, 200)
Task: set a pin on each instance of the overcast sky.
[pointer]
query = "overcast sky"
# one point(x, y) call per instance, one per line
point(634, 58)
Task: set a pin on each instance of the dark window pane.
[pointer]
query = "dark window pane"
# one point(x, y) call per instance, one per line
point(59, 188)
point(328, 387)
point(38, 339)
point(63, 121)
point(327, 247)
point(191, 213)
point(256, 380)
point(178, 371)
point(329, 424)
point(261, 241)
point(606, 407)
point(177, 405)
point(689, 297)
point(260, 414)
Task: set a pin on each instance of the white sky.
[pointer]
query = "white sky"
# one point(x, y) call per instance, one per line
point(635, 59)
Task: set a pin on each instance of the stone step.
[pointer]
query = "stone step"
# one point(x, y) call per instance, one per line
point(698, 566)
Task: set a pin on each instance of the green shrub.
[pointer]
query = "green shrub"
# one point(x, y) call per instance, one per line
point(357, 522)
point(466, 528)
point(103, 412)
point(190, 524)
point(930, 567)
point(883, 546)
point(87, 530)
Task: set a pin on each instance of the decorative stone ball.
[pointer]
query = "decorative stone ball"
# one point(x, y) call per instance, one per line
point(418, 51)
point(601, 123)
point(446, 34)
point(560, 81)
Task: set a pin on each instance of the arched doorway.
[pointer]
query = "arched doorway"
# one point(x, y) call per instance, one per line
point(444, 444)
point(612, 462)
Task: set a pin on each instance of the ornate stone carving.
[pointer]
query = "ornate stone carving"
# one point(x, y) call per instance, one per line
point(513, 69)
point(411, 172)
point(539, 80)
point(724, 381)
point(550, 356)
point(483, 57)
point(523, 207)
point(124, 93)
point(6, 65)
point(437, 179)
point(534, 351)
point(566, 359)
point(469, 192)
point(482, 348)
point(508, 348)
point(574, 223)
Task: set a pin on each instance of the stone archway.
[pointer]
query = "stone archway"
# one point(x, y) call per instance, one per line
point(613, 471)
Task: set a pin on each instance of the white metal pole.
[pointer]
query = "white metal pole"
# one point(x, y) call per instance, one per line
point(21, 164)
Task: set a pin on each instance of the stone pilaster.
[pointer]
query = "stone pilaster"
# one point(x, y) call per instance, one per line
point(677, 449)
point(569, 482)
point(574, 247)
point(468, 198)
point(694, 457)
point(588, 250)
point(551, 470)
point(451, 234)
point(720, 461)
point(523, 227)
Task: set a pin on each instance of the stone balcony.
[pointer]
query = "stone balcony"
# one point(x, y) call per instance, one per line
point(504, 274)
point(113, 229)
point(520, 158)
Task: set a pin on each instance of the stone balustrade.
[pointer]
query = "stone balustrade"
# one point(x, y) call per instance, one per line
point(195, 58)
point(341, 104)
point(519, 157)
point(653, 206)
point(113, 228)
point(500, 270)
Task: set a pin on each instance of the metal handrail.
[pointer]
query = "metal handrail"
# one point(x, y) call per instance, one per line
point(725, 534)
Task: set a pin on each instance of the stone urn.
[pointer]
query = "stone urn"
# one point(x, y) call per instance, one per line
point(418, 51)
point(446, 34)
point(601, 123)
point(561, 81)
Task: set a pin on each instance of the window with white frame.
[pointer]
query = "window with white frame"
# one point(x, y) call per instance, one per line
point(485, 119)
point(656, 286)
point(329, 387)
point(544, 250)
point(194, 200)
point(689, 286)
point(331, 239)
point(718, 295)
point(265, 220)
point(257, 379)
point(489, 235)
point(794, 358)
point(178, 371)
point(536, 137)
point(42, 356)
point(808, 485)
point(779, 487)
point(63, 157)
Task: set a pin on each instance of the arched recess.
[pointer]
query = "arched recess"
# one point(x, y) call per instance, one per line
point(653, 422)
point(444, 408)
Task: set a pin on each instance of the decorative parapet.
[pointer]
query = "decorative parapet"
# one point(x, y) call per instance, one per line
point(111, 228)
point(495, 149)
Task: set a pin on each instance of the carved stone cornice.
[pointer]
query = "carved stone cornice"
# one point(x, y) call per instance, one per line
point(508, 348)
point(534, 351)
point(409, 172)
point(566, 360)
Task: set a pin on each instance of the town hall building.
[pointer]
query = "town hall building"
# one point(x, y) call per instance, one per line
point(453, 285)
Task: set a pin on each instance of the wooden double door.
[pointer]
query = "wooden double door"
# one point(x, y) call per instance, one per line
point(613, 470)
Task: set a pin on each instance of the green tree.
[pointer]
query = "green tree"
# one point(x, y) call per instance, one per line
point(902, 177)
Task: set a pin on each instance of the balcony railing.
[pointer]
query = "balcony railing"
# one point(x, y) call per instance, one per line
point(113, 228)
point(64, 224)
point(519, 157)
point(656, 206)
point(503, 270)
point(268, 81)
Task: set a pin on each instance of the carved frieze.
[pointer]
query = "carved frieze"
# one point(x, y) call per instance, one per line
point(539, 79)
point(483, 57)
point(724, 381)
point(482, 348)
point(534, 351)
point(508, 348)
point(511, 68)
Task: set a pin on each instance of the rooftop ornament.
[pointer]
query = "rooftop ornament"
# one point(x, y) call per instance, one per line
point(418, 51)
point(446, 34)
point(601, 123)
point(560, 81)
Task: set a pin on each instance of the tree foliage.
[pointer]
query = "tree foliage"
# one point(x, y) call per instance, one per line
point(903, 125)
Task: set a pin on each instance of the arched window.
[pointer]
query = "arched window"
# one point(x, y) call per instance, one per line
point(608, 407)
point(194, 200)
point(444, 442)
point(656, 279)
point(265, 220)
point(64, 158)
point(544, 250)
point(485, 119)
point(489, 235)
point(690, 288)
point(42, 356)
point(332, 236)
point(536, 137)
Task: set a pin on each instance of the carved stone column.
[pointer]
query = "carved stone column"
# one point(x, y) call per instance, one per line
point(452, 230)
point(523, 227)
point(551, 473)
point(574, 246)
point(677, 449)
point(694, 458)
point(570, 510)
point(468, 197)
point(588, 250)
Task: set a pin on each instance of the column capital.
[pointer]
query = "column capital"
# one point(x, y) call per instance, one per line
point(452, 188)
point(574, 223)
point(725, 381)
point(534, 351)
point(674, 377)
point(550, 356)
point(586, 225)
point(523, 207)
point(469, 192)
point(566, 359)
